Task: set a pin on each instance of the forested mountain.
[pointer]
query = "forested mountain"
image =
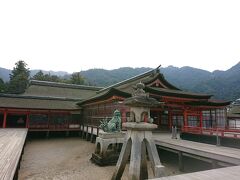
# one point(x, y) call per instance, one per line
point(102, 77)
point(221, 84)
point(4, 74)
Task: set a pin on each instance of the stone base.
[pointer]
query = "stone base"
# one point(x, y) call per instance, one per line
point(107, 148)
point(105, 161)
point(107, 135)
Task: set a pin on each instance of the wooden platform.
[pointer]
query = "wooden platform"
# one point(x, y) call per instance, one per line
point(231, 173)
point(11, 146)
point(221, 154)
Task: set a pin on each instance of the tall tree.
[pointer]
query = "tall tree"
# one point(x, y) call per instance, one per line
point(39, 76)
point(2, 86)
point(77, 78)
point(19, 78)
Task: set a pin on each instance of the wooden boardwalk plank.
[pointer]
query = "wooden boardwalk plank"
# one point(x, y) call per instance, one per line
point(220, 153)
point(232, 173)
point(11, 145)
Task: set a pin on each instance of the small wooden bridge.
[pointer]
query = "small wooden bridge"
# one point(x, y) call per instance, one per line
point(11, 149)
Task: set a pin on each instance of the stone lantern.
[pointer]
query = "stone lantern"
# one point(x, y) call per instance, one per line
point(138, 140)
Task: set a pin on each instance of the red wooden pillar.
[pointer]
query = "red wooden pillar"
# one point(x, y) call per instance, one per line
point(27, 120)
point(4, 119)
point(170, 119)
point(185, 118)
point(48, 119)
point(124, 116)
point(201, 119)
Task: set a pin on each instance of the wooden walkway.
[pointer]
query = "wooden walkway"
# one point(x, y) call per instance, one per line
point(230, 156)
point(231, 173)
point(223, 156)
point(11, 147)
point(216, 155)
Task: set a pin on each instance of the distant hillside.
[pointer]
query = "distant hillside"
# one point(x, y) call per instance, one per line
point(186, 77)
point(4, 74)
point(221, 84)
point(102, 77)
point(57, 73)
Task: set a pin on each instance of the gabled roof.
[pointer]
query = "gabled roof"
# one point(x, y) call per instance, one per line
point(60, 90)
point(235, 109)
point(154, 83)
point(176, 93)
point(163, 82)
point(105, 95)
point(31, 102)
point(129, 82)
point(209, 103)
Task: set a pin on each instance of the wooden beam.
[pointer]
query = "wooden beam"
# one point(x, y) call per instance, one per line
point(5, 119)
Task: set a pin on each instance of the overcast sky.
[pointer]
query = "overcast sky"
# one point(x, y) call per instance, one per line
point(74, 35)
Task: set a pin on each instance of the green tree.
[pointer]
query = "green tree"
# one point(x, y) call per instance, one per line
point(46, 77)
point(2, 86)
point(77, 78)
point(19, 78)
point(39, 76)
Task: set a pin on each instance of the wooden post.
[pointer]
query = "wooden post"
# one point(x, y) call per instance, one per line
point(47, 134)
point(185, 118)
point(180, 161)
point(27, 120)
point(83, 131)
point(218, 139)
point(5, 119)
point(97, 131)
point(91, 134)
point(170, 119)
point(48, 119)
point(201, 119)
point(214, 164)
point(87, 133)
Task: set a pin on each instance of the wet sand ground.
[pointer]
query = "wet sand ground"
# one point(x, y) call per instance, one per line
point(67, 158)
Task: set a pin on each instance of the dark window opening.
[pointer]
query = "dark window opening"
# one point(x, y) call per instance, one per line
point(1, 119)
point(58, 121)
point(38, 121)
point(16, 121)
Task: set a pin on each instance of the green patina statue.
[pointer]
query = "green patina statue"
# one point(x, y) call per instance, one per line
point(114, 125)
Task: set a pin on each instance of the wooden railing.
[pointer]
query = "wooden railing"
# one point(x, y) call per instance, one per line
point(89, 131)
point(222, 132)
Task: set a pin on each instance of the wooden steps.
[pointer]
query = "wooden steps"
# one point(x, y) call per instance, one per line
point(11, 148)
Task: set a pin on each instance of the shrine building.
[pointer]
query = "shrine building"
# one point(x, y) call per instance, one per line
point(49, 106)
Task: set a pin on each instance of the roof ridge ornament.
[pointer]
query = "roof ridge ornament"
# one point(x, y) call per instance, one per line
point(158, 68)
point(141, 99)
point(139, 91)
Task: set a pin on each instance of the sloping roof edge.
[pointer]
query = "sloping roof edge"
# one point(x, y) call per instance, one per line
point(176, 93)
point(161, 76)
point(128, 80)
point(210, 103)
point(64, 85)
point(109, 93)
point(38, 97)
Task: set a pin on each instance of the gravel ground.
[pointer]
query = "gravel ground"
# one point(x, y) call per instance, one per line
point(67, 158)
